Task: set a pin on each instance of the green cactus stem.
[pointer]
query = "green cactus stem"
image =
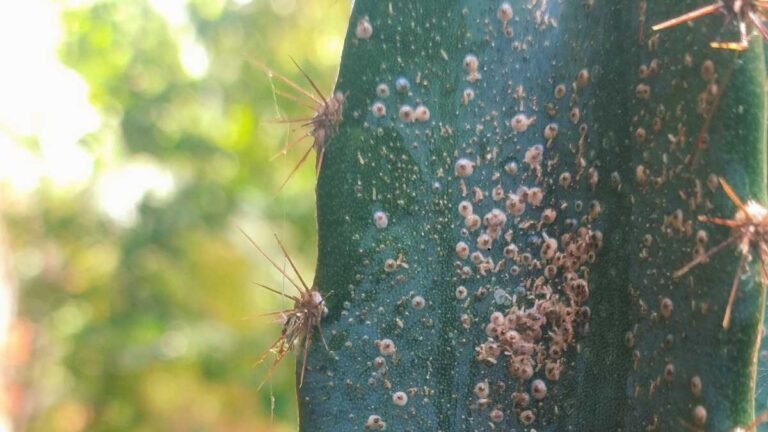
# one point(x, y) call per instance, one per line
point(503, 209)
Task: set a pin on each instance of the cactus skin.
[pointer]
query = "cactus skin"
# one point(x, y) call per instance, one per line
point(761, 393)
point(407, 171)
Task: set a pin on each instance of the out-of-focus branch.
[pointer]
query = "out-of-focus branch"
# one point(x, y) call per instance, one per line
point(9, 340)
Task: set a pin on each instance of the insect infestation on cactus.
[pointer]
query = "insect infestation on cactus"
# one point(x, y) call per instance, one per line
point(300, 322)
point(749, 229)
point(743, 11)
point(321, 126)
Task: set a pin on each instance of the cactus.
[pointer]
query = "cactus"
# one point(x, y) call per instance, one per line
point(505, 210)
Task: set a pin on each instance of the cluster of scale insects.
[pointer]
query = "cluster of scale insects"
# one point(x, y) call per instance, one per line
point(515, 333)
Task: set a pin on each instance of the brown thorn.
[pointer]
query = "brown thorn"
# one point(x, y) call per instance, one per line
point(271, 370)
point(293, 171)
point(293, 266)
point(764, 261)
point(282, 313)
point(295, 99)
point(732, 46)
point(312, 83)
point(267, 351)
point(319, 162)
point(719, 221)
point(320, 321)
point(283, 79)
point(293, 142)
point(689, 16)
point(743, 42)
point(757, 22)
point(762, 418)
point(732, 295)
point(274, 264)
point(305, 121)
point(701, 258)
point(288, 296)
point(731, 194)
point(307, 344)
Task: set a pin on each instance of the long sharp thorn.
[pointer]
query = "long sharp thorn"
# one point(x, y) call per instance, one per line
point(312, 83)
point(264, 355)
point(304, 120)
point(271, 370)
point(762, 418)
point(290, 261)
point(288, 296)
point(731, 194)
point(732, 295)
point(295, 99)
point(288, 146)
point(701, 258)
point(264, 254)
point(719, 221)
point(319, 162)
point(307, 344)
point(690, 16)
point(758, 23)
point(283, 79)
point(282, 314)
point(293, 171)
point(733, 46)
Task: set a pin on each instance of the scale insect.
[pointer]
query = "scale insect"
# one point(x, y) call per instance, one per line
point(299, 322)
point(743, 11)
point(321, 126)
point(749, 230)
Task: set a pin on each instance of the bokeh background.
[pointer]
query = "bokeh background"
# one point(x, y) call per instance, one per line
point(135, 138)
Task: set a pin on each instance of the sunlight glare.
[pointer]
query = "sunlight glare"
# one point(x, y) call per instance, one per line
point(121, 190)
point(42, 101)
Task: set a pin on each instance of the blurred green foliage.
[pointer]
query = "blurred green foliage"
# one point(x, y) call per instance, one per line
point(152, 323)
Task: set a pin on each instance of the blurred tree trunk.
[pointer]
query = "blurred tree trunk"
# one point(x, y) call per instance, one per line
point(9, 341)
